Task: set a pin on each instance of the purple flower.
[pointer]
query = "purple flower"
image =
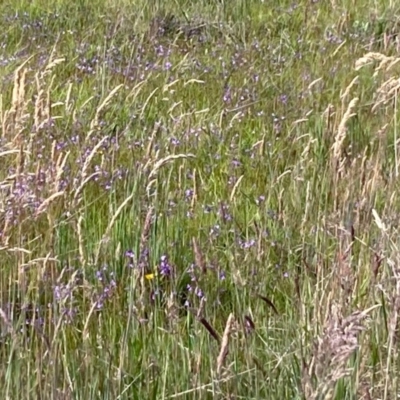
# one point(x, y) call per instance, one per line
point(227, 95)
point(62, 292)
point(165, 268)
point(99, 275)
point(199, 293)
point(189, 194)
point(260, 200)
point(215, 230)
point(130, 254)
point(248, 244)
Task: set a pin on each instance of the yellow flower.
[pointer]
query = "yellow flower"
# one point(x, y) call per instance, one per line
point(149, 277)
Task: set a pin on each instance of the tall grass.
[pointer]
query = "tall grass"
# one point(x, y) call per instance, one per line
point(199, 200)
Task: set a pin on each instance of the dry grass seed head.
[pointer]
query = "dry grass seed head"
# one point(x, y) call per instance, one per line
point(43, 207)
point(348, 89)
point(333, 349)
point(386, 92)
point(79, 228)
point(198, 256)
point(368, 59)
point(143, 261)
point(111, 224)
point(95, 122)
point(166, 160)
point(225, 343)
point(341, 133)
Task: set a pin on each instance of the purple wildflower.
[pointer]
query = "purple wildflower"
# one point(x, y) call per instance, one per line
point(199, 293)
point(130, 254)
point(165, 268)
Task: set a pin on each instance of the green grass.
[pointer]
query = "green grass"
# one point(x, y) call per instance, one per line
point(131, 129)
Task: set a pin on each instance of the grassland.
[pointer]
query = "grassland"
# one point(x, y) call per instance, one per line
point(198, 200)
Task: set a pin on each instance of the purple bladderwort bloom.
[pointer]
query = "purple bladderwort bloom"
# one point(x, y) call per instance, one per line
point(248, 244)
point(131, 257)
point(191, 273)
point(62, 292)
point(165, 268)
point(167, 66)
point(109, 286)
point(260, 200)
point(175, 141)
point(99, 275)
point(189, 194)
point(224, 212)
point(198, 292)
point(227, 95)
point(130, 254)
point(215, 230)
point(155, 294)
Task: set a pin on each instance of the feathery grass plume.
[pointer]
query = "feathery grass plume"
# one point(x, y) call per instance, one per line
point(368, 59)
point(111, 224)
point(166, 160)
point(43, 207)
point(144, 238)
point(84, 178)
point(328, 115)
point(81, 244)
point(194, 185)
point(235, 187)
point(223, 353)
point(346, 92)
point(85, 331)
point(341, 133)
point(200, 311)
point(39, 108)
point(393, 64)
point(385, 65)
point(7, 323)
point(144, 107)
point(391, 370)
point(386, 92)
point(153, 137)
point(89, 159)
point(60, 165)
point(13, 120)
point(152, 179)
point(332, 351)
point(95, 122)
point(198, 256)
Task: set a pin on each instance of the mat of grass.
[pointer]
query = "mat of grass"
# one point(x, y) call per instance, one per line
point(198, 200)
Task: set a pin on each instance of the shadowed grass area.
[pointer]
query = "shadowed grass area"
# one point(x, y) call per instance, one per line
point(198, 200)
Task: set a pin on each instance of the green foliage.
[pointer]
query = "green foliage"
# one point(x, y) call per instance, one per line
point(167, 164)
